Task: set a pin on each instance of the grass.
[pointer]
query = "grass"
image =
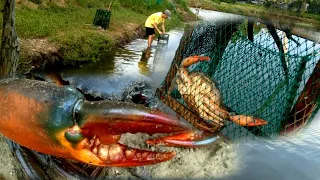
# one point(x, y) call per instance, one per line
point(48, 22)
point(70, 27)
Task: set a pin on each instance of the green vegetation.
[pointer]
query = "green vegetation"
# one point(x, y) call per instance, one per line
point(68, 23)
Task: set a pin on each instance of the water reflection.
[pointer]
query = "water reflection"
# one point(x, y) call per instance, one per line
point(288, 158)
point(143, 63)
point(109, 77)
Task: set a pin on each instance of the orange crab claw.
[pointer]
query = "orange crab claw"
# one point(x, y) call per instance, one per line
point(57, 120)
point(193, 59)
point(244, 120)
point(110, 153)
point(114, 118)
point(105, 122)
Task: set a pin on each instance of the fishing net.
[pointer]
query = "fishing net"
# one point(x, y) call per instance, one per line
point(257, 68)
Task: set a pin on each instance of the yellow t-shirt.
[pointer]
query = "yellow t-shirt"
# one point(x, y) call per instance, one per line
point(154, 18)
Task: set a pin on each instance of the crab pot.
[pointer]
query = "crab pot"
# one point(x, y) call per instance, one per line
point(102, 18)
point(259, 69)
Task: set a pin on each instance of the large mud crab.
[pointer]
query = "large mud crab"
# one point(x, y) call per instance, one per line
point(57, 120)
point(202, 95)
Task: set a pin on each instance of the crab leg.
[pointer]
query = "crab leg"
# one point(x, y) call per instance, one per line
point(215, 108)
point(211, 116)
point(244, 120)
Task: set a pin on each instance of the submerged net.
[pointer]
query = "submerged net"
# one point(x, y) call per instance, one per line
point(256, 68)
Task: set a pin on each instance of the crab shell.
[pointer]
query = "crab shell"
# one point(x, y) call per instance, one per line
point(203, 96)
point(200, 93)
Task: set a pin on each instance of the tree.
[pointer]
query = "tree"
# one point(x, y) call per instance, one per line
point(314, 6)
point(9, 52)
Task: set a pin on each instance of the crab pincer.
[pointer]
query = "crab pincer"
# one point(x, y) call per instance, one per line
point(57, 120)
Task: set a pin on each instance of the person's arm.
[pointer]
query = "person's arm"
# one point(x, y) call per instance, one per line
point(163, 28)
point(156, 27)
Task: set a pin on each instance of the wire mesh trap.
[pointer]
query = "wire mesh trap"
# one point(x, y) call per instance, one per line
point(163, 38)
point(102, 18)
point(257, 68)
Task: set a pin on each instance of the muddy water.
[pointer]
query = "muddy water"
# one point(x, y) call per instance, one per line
point(110, 76)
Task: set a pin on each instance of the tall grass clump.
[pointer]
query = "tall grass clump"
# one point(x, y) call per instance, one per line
point(77, 47)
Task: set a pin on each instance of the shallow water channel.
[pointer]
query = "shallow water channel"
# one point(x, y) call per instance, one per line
point(293, 158)
point(130, 63)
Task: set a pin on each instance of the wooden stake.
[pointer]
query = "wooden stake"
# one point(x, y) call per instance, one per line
point(109, 5)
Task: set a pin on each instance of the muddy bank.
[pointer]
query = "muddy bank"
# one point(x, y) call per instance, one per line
point(43, 53)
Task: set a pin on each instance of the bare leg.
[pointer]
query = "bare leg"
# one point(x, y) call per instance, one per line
point(150, 39)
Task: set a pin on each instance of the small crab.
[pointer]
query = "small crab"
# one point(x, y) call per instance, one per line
point(202, 95)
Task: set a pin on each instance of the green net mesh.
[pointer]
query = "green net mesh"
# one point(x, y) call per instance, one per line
point(255, 69)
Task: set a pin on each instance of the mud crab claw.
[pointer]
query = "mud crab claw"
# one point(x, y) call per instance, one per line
point(104, 122)
point(57, 120)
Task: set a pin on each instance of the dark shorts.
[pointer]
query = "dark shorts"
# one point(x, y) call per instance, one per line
point(149, 31)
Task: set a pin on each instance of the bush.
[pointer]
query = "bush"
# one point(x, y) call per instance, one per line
point(267, 4)
point(80, 46)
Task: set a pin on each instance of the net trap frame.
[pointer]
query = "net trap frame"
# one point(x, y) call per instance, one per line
point(227, 68)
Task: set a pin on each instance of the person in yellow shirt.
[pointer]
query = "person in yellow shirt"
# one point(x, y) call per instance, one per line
point(152, 23)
